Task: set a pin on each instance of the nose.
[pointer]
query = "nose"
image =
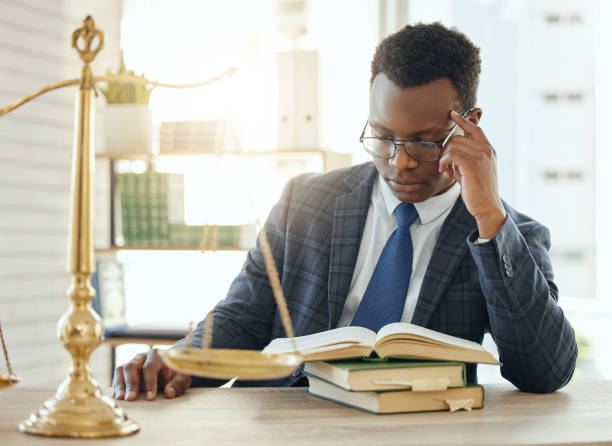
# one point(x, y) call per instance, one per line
point(403, 161)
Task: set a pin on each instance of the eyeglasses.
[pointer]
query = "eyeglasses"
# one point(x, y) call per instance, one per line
point(419, 150)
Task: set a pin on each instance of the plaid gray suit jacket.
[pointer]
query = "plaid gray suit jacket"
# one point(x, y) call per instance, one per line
point(504, 286)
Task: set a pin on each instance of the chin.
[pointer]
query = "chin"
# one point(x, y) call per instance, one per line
point(411, 197)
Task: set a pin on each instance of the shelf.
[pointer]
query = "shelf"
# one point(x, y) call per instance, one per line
point(331, 160)
point(113, 249)
point(140, 156)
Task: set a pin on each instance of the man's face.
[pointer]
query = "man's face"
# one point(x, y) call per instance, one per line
point(415, 113)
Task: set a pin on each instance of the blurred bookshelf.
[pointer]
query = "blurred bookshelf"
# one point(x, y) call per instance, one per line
point(147, 208)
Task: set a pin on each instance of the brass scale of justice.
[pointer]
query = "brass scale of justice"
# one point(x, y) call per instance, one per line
point(79, 408)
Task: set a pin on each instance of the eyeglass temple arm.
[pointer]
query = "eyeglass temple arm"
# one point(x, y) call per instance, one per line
point(450, 134)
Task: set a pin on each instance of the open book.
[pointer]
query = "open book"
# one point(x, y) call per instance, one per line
point(398, 340)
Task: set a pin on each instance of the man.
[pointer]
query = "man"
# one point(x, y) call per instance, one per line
point(461, 261)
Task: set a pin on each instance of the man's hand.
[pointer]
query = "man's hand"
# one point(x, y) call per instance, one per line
point(148, 373)
point(470, 159)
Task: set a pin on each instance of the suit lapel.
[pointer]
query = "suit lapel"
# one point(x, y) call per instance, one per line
point(350, 214)
point(448, 253)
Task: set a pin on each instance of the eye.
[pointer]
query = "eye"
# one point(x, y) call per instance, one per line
point(377, 132)
point(429, 141)
point(434, 140)
point(381, 135)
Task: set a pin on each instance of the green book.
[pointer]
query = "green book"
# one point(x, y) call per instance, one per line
point(141, 209)
point(368, 374)
point(162, 208)
point(145, 203)
point(400, 401)
point(126, 183)
point(153, 202)
point(157, 205)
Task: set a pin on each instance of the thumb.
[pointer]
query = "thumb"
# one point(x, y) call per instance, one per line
point(179, 383)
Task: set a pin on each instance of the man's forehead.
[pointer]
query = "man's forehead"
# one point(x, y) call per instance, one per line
point(416, 130)
point(424, 107)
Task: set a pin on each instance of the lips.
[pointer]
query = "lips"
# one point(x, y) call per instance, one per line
point(405, 186)
point(405, 183)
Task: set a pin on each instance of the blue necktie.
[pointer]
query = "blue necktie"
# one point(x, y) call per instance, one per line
point(385, 296)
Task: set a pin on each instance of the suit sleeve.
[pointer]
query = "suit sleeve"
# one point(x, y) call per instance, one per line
point(536, 343)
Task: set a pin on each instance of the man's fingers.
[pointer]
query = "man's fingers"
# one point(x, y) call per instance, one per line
point(456, 160)
point(465, 151)
point(131, 376)
point(165, 375)
point(177, 385)
point(471, 130)
point(150, 371)
point(118, 383)
point(470, 144)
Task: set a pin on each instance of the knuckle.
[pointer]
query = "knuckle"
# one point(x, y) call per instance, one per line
point(131, 367)
point(152, 363)
point(183, 379)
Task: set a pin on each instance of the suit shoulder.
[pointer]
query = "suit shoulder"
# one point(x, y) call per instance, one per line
point(333, 183)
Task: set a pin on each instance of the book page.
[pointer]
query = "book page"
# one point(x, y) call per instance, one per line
point(343, 335)
point(416, 330)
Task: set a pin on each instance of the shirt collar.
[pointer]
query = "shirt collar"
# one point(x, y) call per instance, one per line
point(429, 209)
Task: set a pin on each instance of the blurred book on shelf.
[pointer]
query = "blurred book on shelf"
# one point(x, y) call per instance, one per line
point(152, 216)
point(109, 299)
point(204, 136)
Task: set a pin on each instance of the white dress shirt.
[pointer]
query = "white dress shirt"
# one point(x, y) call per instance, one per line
point(380, 224)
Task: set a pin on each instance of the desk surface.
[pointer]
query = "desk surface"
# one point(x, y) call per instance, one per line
point(581, 413)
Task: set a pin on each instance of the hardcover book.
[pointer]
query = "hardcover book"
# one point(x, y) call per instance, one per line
point(398, 340)
point(468, 398)
point(362, 375)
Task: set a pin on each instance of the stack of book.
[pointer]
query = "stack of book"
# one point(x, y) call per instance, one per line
point(402, 368)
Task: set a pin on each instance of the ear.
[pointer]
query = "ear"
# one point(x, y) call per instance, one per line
point(475, 115)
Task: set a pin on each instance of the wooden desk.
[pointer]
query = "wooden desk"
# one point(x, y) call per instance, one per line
point(581, 413)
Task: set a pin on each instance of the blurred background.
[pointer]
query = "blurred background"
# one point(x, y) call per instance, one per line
point(202, 167)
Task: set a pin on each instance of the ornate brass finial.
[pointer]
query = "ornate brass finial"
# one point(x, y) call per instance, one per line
point(88, 34)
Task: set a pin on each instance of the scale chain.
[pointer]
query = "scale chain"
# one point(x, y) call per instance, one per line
point(6, 358)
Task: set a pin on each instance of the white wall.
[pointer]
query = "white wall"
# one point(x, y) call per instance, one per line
point(345, 32)
point(603, 148)
point(35, 157)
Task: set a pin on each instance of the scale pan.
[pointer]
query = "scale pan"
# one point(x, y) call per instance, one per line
point(230, 363)
point(7, 381)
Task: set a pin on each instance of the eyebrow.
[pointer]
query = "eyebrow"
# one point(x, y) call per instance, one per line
point(417, 134)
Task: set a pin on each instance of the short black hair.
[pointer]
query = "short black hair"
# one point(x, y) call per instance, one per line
point(421, 53)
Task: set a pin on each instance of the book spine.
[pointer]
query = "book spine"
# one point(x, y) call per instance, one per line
point(162, 212)
point(153, 202)
point(129, 219)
